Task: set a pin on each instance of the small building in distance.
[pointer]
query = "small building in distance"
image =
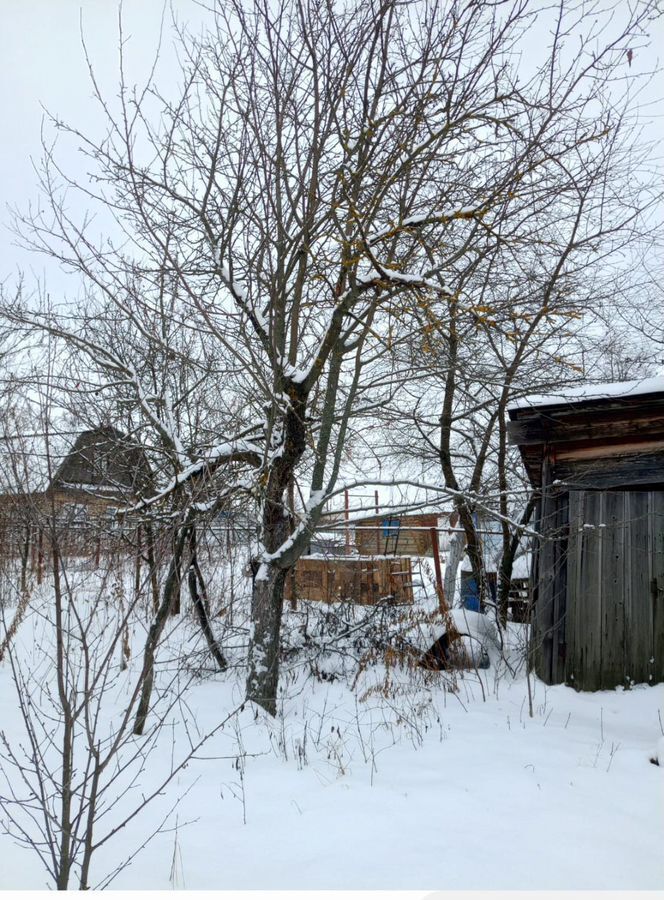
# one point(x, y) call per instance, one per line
point(596, 455)
point(394, 534)
point(102, 472)
point(364, 561)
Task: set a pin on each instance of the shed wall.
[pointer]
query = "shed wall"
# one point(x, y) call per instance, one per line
point(599, 613)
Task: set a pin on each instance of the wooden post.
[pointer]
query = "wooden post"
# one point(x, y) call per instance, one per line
point(347, 520)
point(442, 603)
point(377, 526)
point(452, 631)
point(25, 556)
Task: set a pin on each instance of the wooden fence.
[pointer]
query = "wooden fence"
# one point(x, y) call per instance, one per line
point(364, 580)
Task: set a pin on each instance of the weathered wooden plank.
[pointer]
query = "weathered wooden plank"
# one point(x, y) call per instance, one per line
point(554, 427)
point(614, 472)
point(534, 585)
point(612, 588)
point(559, 596)
point(408, 534)
point(542, 627)
point(364, 581)
point(656, 673)
point(574, 540)
point(638, 606)
point(585, 668)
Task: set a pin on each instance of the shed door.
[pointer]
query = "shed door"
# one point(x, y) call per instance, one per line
point(614, 627)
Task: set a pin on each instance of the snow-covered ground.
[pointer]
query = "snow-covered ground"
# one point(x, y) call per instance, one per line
point(391, 779)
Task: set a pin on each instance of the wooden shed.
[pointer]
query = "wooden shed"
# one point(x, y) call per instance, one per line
point(392, 534)
point(596, 454)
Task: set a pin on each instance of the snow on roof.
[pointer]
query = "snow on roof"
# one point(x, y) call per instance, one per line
point(593, 392)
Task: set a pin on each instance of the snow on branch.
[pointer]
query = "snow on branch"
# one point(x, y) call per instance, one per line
point(437, 217)
point(245, 303)
point(228, 452)
point(381, 276)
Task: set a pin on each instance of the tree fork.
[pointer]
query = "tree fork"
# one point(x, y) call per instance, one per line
point(171, 592)
point(199, 600)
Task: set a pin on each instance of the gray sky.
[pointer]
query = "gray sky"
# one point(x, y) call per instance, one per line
point(42, 64)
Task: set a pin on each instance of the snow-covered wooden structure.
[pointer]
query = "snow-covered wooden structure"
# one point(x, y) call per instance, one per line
point(363, 580)
point(101, 471)
point(596, 454)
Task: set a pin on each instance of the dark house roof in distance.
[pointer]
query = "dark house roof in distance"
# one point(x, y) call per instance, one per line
point(105, 462)
point(600, 436)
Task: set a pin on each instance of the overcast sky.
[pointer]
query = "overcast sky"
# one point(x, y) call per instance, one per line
point(42, 64)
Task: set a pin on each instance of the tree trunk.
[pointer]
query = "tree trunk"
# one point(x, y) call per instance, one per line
point(152, 565)
point(463, 508)
point(170, 597)
point(473, 548)
point(198, 595)
point(505, 583)
point(267, 601)
point(64, 854)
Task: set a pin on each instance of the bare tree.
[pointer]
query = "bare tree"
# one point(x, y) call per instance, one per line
point(531, 277)
point(325, 172)
point(72, 775)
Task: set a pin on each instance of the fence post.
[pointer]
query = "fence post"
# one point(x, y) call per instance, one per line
point(442, 603)
point(25, 556)
point(347, 520)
